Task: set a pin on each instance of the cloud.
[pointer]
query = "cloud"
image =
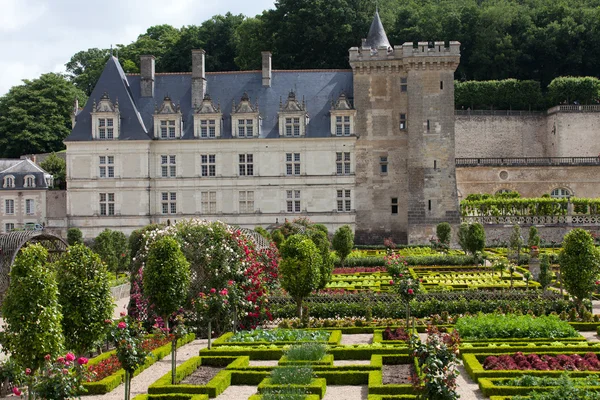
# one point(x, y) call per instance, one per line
point(36, 38)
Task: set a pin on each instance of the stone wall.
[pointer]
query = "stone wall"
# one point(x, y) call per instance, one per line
point(573, 134)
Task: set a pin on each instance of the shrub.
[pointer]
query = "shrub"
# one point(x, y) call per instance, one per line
point(443, 232)
point(579, 264)
point(516, 241)
point(263, 232)
point(74, 236)
point(322, 228)
point(343, 241)
point(136, 239)
point(85, 298)
point(277, 237)
point(300, 268)
point(31, 310)
point(545, 277)
point(113, 249)
point(534, 237)
point(463, 235)
point(475, 238)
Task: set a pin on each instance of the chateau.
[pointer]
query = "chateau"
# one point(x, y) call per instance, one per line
point(372, 147)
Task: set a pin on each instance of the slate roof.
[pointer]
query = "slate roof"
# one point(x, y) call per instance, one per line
point(21, 168)
point(377, 37)
point(317, 87)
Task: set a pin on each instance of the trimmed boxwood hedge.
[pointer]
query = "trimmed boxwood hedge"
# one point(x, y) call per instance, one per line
point(112, 381)
point(489, 388)
point(317, 386)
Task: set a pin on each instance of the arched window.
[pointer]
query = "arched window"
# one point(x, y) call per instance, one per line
point(502, 191)
point(9, 181)
point(561, 193)
point(30, 181)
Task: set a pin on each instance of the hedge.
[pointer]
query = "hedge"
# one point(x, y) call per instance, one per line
point(327, 360)
point(507, 94)
point(489, 388)
point(376, 385)
point(377, 261)
point(112, 381)
point(318, 386)
point(223, 340)
point(583, 89)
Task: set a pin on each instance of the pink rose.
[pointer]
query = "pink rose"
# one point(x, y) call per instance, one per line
point(108, 321)
point(410, 291)
point(122, 325)
point(230, 283)
point(400, 275)
point(27, 371)
point(65, 371)
point(391, 282)
point(82, 361)
point(223, 292)
point(16, 391)
point(47, 357)
point(70, 357)
point(60, 359)
point(213, 290)
point(123, 313)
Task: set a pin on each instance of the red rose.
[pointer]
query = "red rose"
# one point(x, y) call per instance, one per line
point(213, 290)
point(410, 291)
point(27, 371)
point(82, 361)
point(47, 357)
point(70, 357)
point(122, 325)
point(16, 391)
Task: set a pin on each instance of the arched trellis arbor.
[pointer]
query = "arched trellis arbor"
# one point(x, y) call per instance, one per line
point(258, 239)
point(11, 243)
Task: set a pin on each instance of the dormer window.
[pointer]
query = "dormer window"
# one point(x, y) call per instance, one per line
point(343, 116)
point(293, 117)
point(207, 120)
point(29, 181)
point(105, 119)
point(9, 182)
point(245, 118)
point(167, 120)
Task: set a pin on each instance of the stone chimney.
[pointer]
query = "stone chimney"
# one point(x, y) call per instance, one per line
point(266, 68)
point(147, 75)
point(198, 77)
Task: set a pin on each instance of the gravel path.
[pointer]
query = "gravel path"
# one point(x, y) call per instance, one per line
point(237, 393)
point(346, 393)
point(467, 388)
point(358, 338)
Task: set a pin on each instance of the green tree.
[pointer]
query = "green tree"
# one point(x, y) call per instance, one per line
point(443, 232)
point(300, 268)
point(320, 240)
point(277, 238)
point(57, 167)
point(166, 283)
point(475, 238)
point(113, 249)
point(534, 237)
point(263, 232)
point(516, 242)
point(74, 236)
point(136, 239)
point(85, 67)
point(35, 117)
point(545, 277)
point(579, 264)
point(31, 310)
point(343, 242)
point(463, 235)
point(85, 298)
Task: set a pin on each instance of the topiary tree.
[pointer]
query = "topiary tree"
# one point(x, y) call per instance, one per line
point(343, 242)
point(463, 234)
point(74, 236)
point(534, 237)
point(32, 315)
point(320, 240)
point(300, 268)
point(166, 283)
point(515, 242)
point(85, 298)
point(579, 264)
point(113, 249)
point(545, 272)
point(443, 232)
point(475, 238)
point(322, 228)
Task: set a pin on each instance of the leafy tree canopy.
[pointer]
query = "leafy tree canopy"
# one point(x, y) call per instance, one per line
point(57, 167)
point(35, 117)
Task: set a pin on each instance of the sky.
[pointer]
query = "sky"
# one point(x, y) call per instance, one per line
point(39, 36)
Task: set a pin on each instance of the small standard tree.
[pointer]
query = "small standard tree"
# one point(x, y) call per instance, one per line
point(475, 238)
point(463, 236)
point(74, 236)
point(443, 232)
point(85, 298)
point(113, 249)
point(545, 277)
point(320, 240)
point(166, 283)
point(343, 242)
point(300, 268)
point(516, 242)
point(31, 310)
point(579, 264)
point(534, 237)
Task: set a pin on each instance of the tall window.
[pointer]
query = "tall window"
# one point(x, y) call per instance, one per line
point(9, 181)
point(8, 227)
point(245, 127)
point(9, 207)
point(292, 126)
point(403, 84)
point(292, 164)
point(167, 129)
point(29, 181)
point(208, 128)
point(169, 202)
point(106, 128)
point(246, 201)
point(342, 163)
point(394, 205)
point(560, 193)
point(344, 202)
point(107, 167)
point(208, 202)
point(246, 165)
point(208, 164)
point(383, 165)
point(107, 204)
point(168, 166)
point(293, 201)
point(342, 125)
point(402, 122)
point(29, 207)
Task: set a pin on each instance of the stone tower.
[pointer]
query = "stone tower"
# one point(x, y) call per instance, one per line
point(405, 168)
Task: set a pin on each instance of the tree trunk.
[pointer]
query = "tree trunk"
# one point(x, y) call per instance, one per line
point(299, 307)
point(127, 384)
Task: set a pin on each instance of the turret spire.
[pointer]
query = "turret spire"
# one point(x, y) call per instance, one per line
point(377, 37)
